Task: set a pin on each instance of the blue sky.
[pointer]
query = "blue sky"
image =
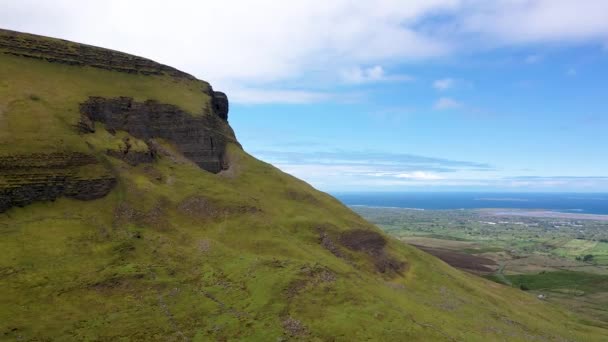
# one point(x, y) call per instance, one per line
point(530, 118)
point(386, 95)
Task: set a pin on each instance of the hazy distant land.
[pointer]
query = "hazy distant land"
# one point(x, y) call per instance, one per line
point(544, 214)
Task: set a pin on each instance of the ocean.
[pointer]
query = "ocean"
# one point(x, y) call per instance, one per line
point(562, 202)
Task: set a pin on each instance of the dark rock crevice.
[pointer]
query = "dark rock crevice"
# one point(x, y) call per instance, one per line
point(220, 105)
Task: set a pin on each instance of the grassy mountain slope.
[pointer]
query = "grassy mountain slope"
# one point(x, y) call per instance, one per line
point(177, 253)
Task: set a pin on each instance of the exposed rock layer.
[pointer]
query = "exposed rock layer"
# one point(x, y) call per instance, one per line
point(41, 177)
point(201, 139)
point(25, 179)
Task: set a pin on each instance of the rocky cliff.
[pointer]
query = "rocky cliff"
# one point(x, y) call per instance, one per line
point(201, 139)
point(200, 136)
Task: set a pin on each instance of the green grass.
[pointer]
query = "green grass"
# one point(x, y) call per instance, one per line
point(562, 280)
point(579, 248)
point(103, 140)
point(143, 264)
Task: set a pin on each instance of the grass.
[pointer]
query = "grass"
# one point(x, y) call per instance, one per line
point(175, 253)
point(561, 281)
point(102, 139)
point(575, 247)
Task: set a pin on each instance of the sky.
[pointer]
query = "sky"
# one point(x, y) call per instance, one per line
point(386, 95)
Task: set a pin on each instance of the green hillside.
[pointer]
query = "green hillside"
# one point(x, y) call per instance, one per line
point(173, 252)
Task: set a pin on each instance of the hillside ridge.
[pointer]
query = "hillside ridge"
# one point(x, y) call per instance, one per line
point(77, 54)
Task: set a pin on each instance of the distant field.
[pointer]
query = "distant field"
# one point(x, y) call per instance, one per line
point(578, 283)
point(547, 214)
point(565, 259)
point(582, 292)
point(576, 247)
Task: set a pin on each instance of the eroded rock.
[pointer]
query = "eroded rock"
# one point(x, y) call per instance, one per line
point(25, 179)
point(131, 156)
point(202, 139)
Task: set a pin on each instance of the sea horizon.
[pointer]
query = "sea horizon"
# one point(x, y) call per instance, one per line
point(567, 202)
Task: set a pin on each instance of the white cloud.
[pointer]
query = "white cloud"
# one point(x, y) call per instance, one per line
point(446, 103)
point(533, 59)
point(339, 177)
point(373, 74)
point(240, 41)
point(526, 21)
point(419, 175)
point(264, 96)
point(268, 43)
point(443, 84)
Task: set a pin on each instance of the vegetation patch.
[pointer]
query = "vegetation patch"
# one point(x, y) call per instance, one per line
point(560, 281)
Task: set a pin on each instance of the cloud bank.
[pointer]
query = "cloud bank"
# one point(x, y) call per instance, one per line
point(250, 47)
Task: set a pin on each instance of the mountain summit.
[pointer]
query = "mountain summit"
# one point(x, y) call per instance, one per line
point(129, 211)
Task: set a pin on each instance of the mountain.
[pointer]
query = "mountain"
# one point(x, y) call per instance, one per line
point(129, 211)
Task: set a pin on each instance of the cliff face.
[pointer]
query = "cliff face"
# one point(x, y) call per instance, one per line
point(200, 139)
point(200, 136)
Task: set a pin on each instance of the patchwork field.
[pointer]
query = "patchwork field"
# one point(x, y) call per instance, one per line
point(564, 260)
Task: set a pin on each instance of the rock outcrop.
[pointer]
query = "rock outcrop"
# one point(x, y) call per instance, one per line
point(201, 139)
point(25, 179)
point(132, 157)
point(220, 105)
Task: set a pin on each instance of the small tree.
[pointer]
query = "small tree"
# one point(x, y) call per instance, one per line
point(523, 287)
point(588, 258)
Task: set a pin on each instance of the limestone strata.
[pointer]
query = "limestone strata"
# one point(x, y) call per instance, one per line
point(201, 139)
point(25, 179)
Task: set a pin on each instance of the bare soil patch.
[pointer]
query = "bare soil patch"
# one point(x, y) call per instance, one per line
point(372, 243)
point(363, 240)
point(466, 262)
